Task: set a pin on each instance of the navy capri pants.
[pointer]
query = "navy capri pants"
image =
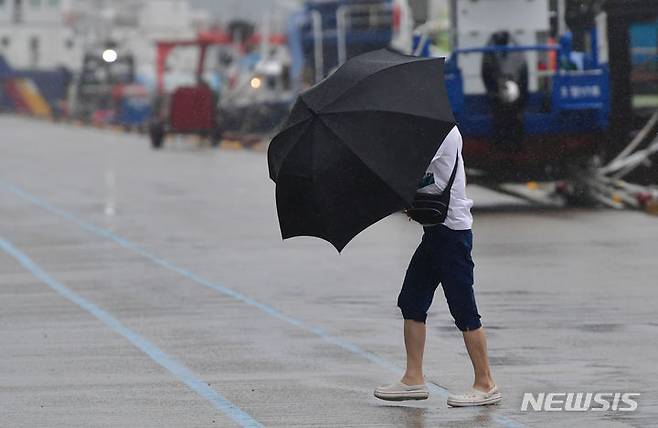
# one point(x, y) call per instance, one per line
point(443, 257)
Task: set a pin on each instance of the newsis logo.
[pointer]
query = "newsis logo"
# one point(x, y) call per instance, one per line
point(579, 401)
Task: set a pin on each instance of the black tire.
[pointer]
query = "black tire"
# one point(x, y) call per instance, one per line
point(216, 137)
point(157, 134)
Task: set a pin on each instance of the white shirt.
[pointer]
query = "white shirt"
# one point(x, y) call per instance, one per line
point(459, 212)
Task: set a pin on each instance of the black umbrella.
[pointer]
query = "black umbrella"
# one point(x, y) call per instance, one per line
point(356, 145)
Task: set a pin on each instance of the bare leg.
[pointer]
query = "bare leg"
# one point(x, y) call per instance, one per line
point(414, 341)
point(476, 344)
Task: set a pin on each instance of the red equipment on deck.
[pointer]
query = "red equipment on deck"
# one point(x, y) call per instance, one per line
point(196, 99)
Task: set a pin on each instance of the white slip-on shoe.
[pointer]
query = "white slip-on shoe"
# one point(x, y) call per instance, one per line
point(399, 392)
point(475, 397)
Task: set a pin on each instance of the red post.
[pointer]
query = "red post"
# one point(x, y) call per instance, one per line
point(203, 47)
point(161, 62)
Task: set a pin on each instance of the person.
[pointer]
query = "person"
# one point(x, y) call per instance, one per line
point(443, 256)
point(505, 77)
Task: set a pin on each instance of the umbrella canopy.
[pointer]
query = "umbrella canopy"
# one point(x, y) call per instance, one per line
point(356, 145)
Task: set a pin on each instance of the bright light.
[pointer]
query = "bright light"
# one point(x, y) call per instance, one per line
point(110, 55)
point(255, 83)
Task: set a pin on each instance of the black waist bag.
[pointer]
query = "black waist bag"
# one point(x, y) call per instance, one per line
point(430, 209)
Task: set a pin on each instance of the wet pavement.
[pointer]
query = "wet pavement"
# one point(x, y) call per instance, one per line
point(152, 289)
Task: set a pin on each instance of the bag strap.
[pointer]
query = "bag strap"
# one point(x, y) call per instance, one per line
point(445, 196)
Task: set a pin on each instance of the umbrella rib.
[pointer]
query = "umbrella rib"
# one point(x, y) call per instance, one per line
point(288, 126)
point(292, 125)
point(305, 122)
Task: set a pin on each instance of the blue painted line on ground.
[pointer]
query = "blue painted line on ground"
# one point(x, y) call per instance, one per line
point(275, 313)
point(156, 354)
